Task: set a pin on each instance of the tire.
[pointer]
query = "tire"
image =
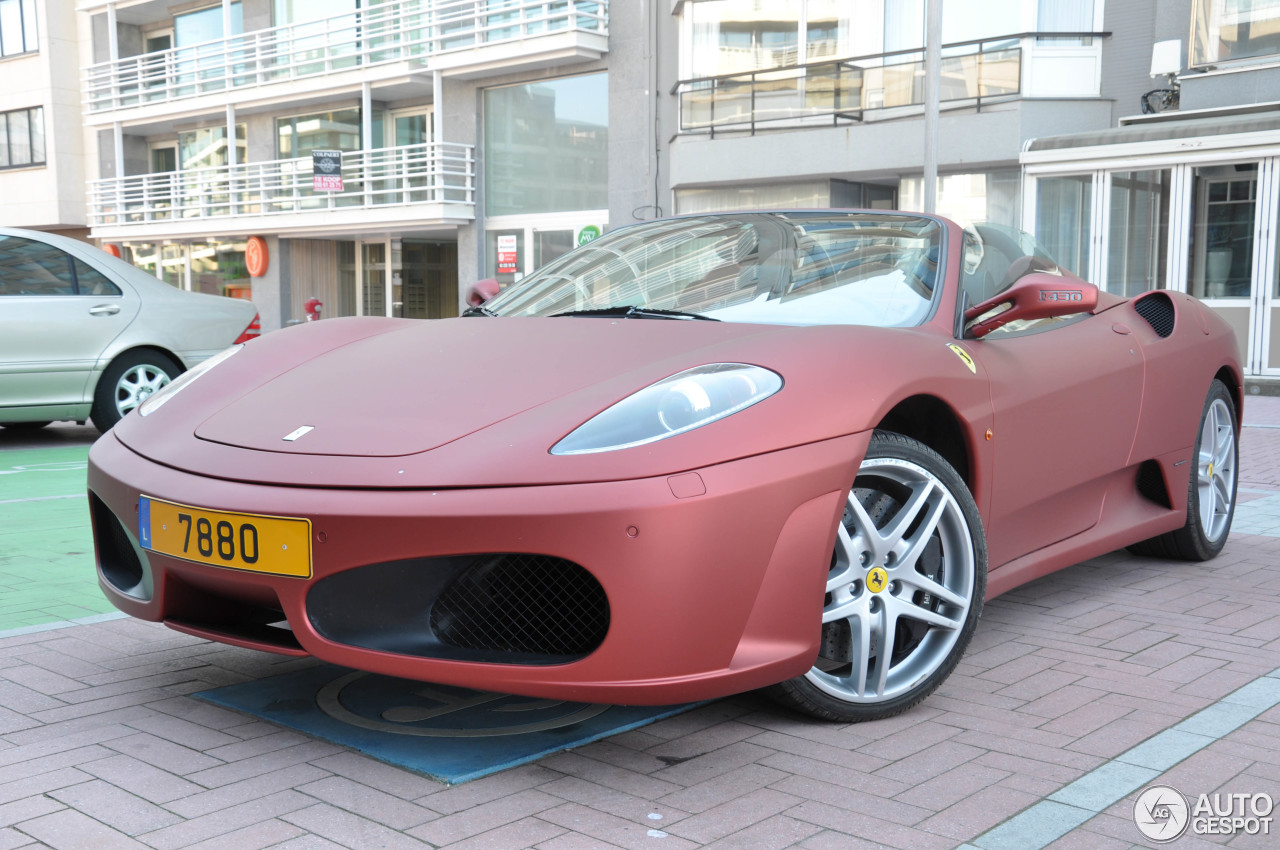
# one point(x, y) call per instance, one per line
point(1211, 493)
point(127, 382)
point(910, 563)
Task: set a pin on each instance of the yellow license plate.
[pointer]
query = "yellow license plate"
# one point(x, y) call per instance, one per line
point(261, 544)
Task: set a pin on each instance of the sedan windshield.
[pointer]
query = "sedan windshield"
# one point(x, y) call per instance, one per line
point(774, 268)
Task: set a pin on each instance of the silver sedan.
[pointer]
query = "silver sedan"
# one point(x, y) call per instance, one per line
point(85, 335)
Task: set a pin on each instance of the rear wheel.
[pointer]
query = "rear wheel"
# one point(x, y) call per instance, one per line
point(129, 381)
point(904, 590)
point(1211, 494)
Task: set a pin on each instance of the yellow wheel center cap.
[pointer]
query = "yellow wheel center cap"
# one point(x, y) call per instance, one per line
point(1210, 469)
point(877, 580)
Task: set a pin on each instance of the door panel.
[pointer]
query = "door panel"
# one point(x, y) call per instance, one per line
point(1066, 404)
point(50, 336)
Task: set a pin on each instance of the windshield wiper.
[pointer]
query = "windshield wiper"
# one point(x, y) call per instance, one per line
point(478, 311)
point(634, 311)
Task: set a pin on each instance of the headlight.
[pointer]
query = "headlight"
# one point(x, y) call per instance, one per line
point(680, 403)
point(178, 384)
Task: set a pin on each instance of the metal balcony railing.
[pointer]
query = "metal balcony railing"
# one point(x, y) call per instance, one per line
point(414, 174)
point(412, 30)
point(830, 92)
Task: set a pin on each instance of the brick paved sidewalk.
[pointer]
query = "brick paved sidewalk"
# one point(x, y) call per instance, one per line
point(101, 746)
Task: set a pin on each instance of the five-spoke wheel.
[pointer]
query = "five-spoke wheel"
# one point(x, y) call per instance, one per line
point(1211, 495)
point(904, 590)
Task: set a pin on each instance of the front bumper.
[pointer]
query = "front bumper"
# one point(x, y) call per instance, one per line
point(709, 593)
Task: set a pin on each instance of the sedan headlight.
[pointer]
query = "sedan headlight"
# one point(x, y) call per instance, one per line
point(674, 405)
point(178, 384)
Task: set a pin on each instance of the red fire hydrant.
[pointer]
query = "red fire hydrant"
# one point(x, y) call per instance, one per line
point(313, 308)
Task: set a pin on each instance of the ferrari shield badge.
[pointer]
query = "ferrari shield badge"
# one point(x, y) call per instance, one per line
point(964, 355)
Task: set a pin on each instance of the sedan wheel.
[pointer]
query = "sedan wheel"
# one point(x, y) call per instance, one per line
point(904, 590)
point(127, 383)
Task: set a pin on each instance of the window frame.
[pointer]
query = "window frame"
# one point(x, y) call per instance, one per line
point(35, 114)
point(28, 28)
point(72, 274)
point(1210, 16)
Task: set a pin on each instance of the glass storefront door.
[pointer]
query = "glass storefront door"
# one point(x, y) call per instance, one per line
point(1211, 229)
point(516, 245)
point(1064, 220)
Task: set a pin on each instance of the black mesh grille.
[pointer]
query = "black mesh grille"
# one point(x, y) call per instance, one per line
point(1157, 309)
point(525, 604)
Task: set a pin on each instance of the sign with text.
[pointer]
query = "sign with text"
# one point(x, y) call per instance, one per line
point(508, 254)
point(326, 171)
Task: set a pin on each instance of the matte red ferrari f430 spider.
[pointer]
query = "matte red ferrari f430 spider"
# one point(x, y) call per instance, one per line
point(694, 457)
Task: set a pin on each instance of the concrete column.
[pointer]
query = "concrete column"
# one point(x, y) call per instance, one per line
point(113, 38)
point(932, 104)
point(437, 107)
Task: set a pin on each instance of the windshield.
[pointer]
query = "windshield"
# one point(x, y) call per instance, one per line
point(777, 268)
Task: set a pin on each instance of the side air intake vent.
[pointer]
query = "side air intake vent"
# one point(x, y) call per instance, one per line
point(1151, 483)
point(1157, 309)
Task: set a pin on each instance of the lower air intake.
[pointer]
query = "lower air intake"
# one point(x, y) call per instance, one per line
point(502, 608)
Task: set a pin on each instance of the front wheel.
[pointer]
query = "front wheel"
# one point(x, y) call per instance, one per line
point(904, 590)
point(129, 381)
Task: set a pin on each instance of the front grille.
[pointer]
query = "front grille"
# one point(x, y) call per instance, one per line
point(1157, 309)
point(499, 607)
point(523, 604)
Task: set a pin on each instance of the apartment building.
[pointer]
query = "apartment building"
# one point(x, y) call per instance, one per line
point(1187, 198)
point(482, 138)
point(353, 139)
point(42, 152)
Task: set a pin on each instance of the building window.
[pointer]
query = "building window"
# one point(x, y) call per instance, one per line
point(337, 130)
point(18, 27)
point(981, 197)
point(193, 28)
point(22, 137)
point(1225, 30)
point(207, 147)
point(546, 146)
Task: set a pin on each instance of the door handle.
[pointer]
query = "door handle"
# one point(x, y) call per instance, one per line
point(104, 310)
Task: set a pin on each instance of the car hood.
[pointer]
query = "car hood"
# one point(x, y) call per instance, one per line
point(413, 389)
point(480, 401)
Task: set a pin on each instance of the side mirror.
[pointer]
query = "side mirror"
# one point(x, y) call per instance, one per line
point(482, 291)
point(1037, 295)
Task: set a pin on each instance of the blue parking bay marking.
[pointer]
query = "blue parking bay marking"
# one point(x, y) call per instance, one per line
point(1090, 795)
point(451, 734)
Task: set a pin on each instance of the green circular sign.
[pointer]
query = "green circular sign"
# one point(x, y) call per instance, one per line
point(588, 234)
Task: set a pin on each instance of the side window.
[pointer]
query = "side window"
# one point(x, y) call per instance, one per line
point(34, 268)
point(93, 282)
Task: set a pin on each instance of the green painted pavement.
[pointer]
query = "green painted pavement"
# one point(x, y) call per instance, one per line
point(46, 547)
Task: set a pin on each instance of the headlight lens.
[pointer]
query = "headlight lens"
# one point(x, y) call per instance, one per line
point(178, 384)
point(674, 405)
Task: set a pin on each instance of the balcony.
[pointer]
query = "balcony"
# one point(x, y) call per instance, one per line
point(416, 184)
point(465, 38)
point(889, 85)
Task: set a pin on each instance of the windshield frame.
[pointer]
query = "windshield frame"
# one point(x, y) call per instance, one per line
point(771, 248)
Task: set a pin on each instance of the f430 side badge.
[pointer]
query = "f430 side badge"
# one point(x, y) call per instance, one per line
point(292, 436)
point(964, 356)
